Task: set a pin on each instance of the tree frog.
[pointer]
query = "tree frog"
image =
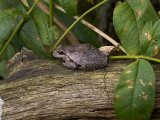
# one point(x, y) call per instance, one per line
point(81, 56)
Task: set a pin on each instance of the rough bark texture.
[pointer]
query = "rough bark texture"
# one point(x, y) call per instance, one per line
point(39, 89)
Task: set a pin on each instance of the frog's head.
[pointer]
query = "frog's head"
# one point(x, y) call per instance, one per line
point(59, 53)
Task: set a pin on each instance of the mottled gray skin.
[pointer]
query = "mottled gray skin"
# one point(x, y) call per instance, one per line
point(82, 56)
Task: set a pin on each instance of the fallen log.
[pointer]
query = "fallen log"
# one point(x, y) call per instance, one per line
point(40, 89)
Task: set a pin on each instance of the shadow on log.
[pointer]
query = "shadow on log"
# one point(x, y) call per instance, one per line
point(40, 89)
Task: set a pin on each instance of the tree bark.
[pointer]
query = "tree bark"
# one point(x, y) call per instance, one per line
point(40, 89)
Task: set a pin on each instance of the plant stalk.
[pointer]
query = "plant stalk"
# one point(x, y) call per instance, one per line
point(135, 57)
point(51, 13)
point(17, 28)
point(60, 39)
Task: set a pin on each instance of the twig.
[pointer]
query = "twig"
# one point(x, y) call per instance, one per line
point(135, 57)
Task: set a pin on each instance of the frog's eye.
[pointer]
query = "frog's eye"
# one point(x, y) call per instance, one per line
point(61, 52)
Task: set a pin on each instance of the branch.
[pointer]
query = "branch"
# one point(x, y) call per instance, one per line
point(40, 89)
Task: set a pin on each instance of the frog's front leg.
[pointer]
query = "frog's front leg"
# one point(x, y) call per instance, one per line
point(69, 65)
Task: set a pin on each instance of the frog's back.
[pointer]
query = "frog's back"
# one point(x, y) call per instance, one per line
point(87, 57)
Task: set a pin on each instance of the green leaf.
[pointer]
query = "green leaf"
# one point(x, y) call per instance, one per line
point(150, 39)
point(11, 4)
point(83, 33)
point(129, 28)
point(7, 22)
point(29, 34)
point(46, 34)
point(135, 93)
point(18, 44)
point(139, 6)
point(70, 6)
point(9, 53)
point(3, 5)
point(3, 70)
point(53, 33)
point(41, 22)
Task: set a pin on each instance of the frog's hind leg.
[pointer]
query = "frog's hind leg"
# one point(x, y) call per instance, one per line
point(69, 65)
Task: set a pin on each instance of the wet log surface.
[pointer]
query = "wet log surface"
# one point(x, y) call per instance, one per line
point(40, 89)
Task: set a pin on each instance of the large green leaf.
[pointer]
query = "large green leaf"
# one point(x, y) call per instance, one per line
point(150, 41)
point(29, 34)
point(129, 28)
point(11, 4)
point(3, 70)
point(41, 21)
point(4, 58)
point(3, 5)
point(7, 22)
point(18, 44)
point(8, 53)
point(139, 6)
point(135, 93)
point(70, 6)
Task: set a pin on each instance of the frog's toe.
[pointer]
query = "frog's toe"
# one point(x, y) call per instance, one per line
point(70, 65)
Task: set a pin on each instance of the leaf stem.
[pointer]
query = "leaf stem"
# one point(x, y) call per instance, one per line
point(51, 13)
point(17, 28)
point(135, 57)
point(60, 39)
